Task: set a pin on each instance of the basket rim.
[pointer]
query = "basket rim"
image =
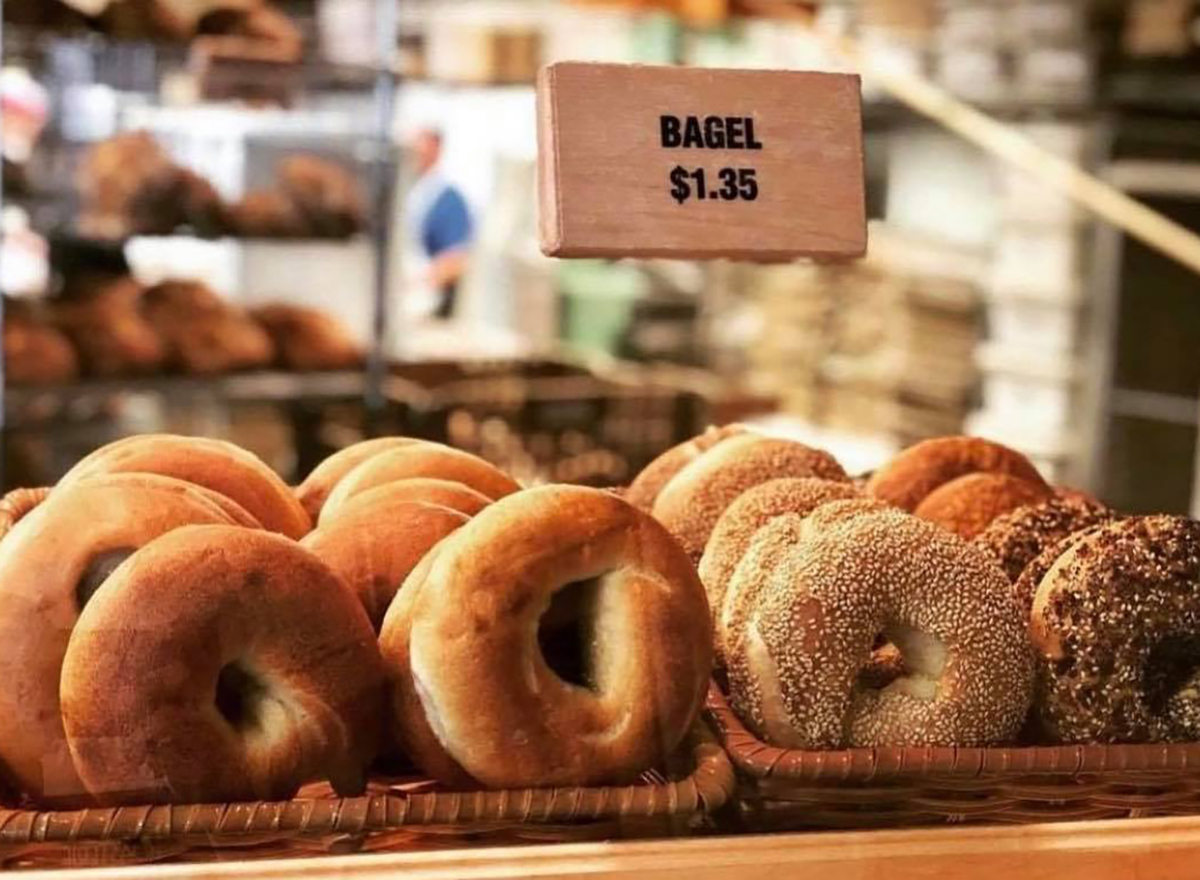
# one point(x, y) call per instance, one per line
point(761, 761)
point(706, 789)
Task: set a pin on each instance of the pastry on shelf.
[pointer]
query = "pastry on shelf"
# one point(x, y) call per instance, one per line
point(202, 333)
point(35, 352)
point(266, 213)
point(308, 339)
point(109, 332)
point(326, 195)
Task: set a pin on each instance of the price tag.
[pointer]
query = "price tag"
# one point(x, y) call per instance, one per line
point(694, 163)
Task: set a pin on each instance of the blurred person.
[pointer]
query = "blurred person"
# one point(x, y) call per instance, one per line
point(440, 223)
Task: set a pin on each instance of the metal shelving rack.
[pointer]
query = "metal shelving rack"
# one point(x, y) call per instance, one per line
point(140, 67)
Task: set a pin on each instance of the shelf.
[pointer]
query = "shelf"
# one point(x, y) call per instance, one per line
point(1146, 848)
point(257, 386)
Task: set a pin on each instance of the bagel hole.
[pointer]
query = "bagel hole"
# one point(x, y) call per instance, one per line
point(904, 659)
point(98, 569)
point(884, 666)
point(567, 632)
point(239, 695)
point(1172, 672)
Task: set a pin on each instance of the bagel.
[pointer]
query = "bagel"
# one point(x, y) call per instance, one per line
point(221, 664)
point(214, 464)
point(917, 471)
point(690, 504)
point(557, 574)
point(754, 573)
point(968, 505)
point(318, 484)
point(374, 547)
point(1116, 627)
point(1017, 538)
point(430, 460)
point(741, 521)
point(51, 563)
point(420, 490)
point(841, 577)
point(650, 481)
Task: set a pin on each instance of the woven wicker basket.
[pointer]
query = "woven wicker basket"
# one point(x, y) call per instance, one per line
point(893, 787)
point(395, 814)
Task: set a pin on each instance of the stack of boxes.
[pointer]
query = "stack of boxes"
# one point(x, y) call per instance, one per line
point(881, 347)
point(1023, 51)
point(1030, 362)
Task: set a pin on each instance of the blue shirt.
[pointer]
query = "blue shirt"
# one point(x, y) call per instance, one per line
point(447, 223)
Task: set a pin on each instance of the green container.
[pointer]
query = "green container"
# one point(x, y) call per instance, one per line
point(597, 302)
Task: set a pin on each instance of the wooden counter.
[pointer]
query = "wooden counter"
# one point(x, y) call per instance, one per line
point(1145, 849)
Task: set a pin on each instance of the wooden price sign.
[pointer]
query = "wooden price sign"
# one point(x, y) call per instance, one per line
point(693, 163)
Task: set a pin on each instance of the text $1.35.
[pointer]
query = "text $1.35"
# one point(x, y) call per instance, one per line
point(733, 184)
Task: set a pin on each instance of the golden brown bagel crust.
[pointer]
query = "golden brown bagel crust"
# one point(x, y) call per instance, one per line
point(473, 656)
point(140, 680)
point(740, 523)
point(423, 490)
point(318, 484)
point(692, 502)
point(411, 461)
point(41, 562)
point(374, 547)
point(214, 464)
point(843, 580)
point(1019, 537)
point(408, 730)
point(233, 511)
point(968, 505)
point(1115, 623)
point(646, 486)
point(909, 477)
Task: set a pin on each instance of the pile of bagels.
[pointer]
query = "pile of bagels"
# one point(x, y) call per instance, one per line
point(177, 625)
point(180, 626)
point(950, 598)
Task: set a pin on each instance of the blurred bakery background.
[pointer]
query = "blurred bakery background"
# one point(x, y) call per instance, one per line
point(297, 223)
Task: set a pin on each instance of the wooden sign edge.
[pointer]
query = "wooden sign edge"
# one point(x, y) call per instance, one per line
point(550, 223)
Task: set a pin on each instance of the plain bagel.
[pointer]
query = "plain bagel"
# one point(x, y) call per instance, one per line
point(221, 664)
point(318, 484)
point(214, 464)
point(374, 547)
point(464, 643)
point(420, 460)
point(51, 563)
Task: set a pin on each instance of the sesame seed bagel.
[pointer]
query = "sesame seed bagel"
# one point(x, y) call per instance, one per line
point(756, 572)
point(917, 471)
point(318, 484)
point(848, 575)
point(258, 671)
point(646, 486)
point(690, 504)
point(1116, 626)
point(214, 464)
point(469, 643)
point(740, 522)
point(374, 547)
point(51, 564)
point(968, 505)
point(421, 490)
point(1018, 537)
point(416, 460)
